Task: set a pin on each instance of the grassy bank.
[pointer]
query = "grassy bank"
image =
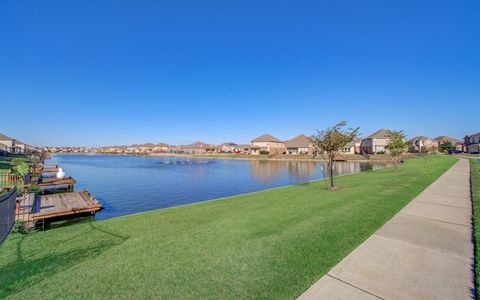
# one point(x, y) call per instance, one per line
point(271, 244)
point(475, 181)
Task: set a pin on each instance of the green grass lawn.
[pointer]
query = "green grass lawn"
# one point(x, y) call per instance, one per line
point(475, 181)
point(272, 244)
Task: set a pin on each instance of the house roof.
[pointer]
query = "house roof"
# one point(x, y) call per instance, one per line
point(443, 138)
point(197, 145)
point(244, 146)
point(380, 134)
point(266, 138)
point(230, 144)
point(418, 138)
point(301, 141)
point(162, 145)
point(7, 138)
point(478, 133)
point(4, 137)
point(352, 144)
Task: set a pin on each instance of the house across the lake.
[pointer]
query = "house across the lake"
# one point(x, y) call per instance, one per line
point(352, 147)
point(299, 145)
point(472, 143)
point(242, 149)
point(267, 143)
point(161, 148)
point(456, 143)
point(375, 143)
point(422, 143)
point(199, 148)
point(227, 147)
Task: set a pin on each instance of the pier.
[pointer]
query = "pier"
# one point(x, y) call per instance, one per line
point(53, 182)
point(32, 208)
point(46, 168)
point(37, 208)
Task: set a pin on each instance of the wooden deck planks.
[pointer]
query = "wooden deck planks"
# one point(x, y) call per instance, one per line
point(53, 181)
point(46, 170)
point(31, 207)
point(57, 205)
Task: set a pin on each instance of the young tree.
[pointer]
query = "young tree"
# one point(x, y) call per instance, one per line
point(19, 168)
point(446, 146)
point(331, 141)
point(396, 145)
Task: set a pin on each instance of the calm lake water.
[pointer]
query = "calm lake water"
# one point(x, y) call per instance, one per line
point(132, 184)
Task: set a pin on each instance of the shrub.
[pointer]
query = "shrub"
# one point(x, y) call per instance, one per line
point(264, 152)
point(20, 227)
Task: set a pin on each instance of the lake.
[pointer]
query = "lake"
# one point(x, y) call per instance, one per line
point(132, 184)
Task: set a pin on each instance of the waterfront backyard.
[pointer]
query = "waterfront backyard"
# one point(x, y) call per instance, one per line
point(271, 244)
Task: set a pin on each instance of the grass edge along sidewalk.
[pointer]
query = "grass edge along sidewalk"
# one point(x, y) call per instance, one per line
point(475, 185)
point(271, 244)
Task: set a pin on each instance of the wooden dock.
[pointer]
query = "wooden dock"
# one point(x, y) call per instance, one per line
point(53, 182)
point(32, 208)
point(48, 170)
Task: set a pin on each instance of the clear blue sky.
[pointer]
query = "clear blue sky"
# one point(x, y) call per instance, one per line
point(122, 72)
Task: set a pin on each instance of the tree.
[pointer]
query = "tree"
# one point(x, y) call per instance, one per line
point(446, 146)
point(396, 145)
point(331, 141)
point(21, 169)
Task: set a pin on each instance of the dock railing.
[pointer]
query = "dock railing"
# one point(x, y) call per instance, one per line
point(7, 213)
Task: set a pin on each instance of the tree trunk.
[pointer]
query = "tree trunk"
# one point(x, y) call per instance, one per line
point(332, 185)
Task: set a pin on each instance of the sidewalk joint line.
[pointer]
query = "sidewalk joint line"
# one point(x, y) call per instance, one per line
point(441, 194)
point(440, 250)
point(447, 205)
point(431, 219)
point(328, 274)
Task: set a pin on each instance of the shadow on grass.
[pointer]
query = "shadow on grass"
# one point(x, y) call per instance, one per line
point(24, 272)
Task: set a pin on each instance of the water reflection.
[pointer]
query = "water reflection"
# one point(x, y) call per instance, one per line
point(268, 171)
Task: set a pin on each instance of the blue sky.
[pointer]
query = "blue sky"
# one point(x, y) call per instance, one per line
point(122, 72)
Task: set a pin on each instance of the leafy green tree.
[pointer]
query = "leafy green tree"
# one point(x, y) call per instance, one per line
point(446, 146)
point(331, 141)
point(396, 145)
point(21, 169)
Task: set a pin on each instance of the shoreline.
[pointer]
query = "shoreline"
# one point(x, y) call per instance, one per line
point(345, 158)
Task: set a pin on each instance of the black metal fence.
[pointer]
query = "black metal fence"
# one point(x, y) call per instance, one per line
point(7, 213)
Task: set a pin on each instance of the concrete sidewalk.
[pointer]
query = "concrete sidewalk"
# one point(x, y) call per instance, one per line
point(423, 252)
